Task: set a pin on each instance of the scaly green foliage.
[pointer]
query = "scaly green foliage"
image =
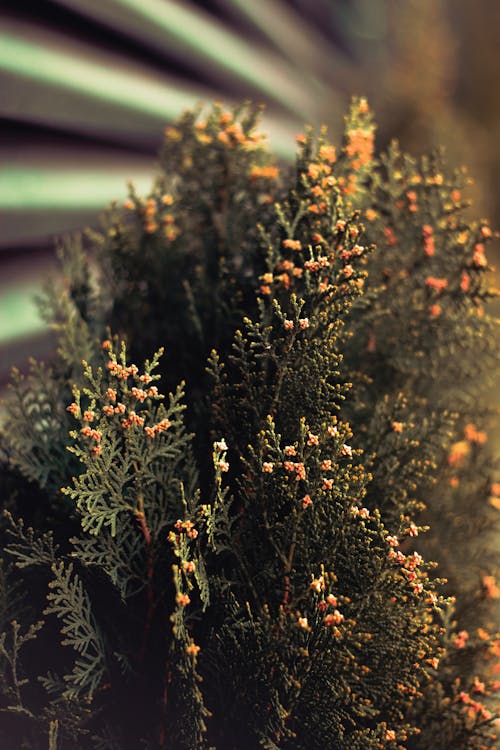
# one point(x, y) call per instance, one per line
point(244, 563)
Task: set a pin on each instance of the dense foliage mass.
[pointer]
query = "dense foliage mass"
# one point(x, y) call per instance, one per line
point(228, 545)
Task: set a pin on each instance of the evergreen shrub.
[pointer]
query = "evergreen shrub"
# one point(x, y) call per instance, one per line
point(278, 533)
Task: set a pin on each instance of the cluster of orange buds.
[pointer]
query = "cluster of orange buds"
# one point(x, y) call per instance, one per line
point(359, 147)
point(433, 662)
point(230, 133)
point(436, 179)
point(74, 409)
point(473, 435)
point(303, 623)
point(490, 587)
point(172, 133)
point(133, 419)
point(120, 372)
point(416, 586)
point(390, 237)
point(306, 501)
point(413, 561)
point(371, 214)
point(158, 428)
point(330, 601)
point(317, 584)
point(291, 244)
point(412, 201)
point(359, 512)
point(397, 557)
point(315, 170)
point(200, 132)
point(223, 465)
point(192, 649)
point(313, 266)
point(429, 247)
point(355, 251)
point(187, 526)
point(150, 216)
point(333, 618)
point(297, 468)
point(435, 310)
point(412, 530)
point(152, 211)
point(319, 173)
point(96, 436)
point(473, 708)
point(494, 499)
point(287, 271)
point(436, 283)
point(268, 172)
point(349, 186)
point(140, 394)
point(465, 282)
point(348, 271)
point(88, 432)
point(479, 259)
point(267, 280)
point(328, 153)
point(461, 639)
point(170, 230)
point(318, 208)
point(458, 453)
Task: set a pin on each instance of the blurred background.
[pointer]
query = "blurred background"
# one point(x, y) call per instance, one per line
point(87, 87)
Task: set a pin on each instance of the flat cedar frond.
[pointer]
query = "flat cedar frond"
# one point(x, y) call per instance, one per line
point(120, 557)
point(36, 427)
point(28, 547)
point(132, 452)
point(70, 603)
point(11, 643)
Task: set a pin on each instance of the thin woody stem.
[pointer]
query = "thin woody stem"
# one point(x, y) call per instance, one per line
point(289, 562)
point(141, 519)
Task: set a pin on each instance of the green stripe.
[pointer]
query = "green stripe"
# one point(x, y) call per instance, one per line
point(30, 188)
point(18, 312)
